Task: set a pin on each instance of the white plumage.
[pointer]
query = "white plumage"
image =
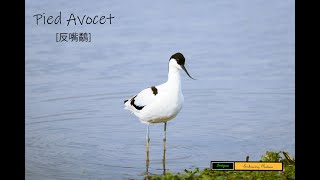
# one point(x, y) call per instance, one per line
point(159, 104)
point(157, 108)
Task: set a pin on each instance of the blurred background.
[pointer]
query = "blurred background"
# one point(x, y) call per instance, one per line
point(242, 103)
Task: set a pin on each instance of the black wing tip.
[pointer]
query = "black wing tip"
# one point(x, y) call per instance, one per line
point(135, 106)
point(125, 101)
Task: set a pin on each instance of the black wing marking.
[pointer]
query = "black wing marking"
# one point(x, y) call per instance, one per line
point(135, 106)
point(144, 98)
point(154, 90)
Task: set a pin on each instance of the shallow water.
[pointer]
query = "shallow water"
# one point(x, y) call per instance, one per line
point(242, 103)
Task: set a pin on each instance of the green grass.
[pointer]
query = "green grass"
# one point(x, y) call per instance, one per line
point(208, 174)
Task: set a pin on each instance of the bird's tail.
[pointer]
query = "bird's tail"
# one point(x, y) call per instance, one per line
point(126, 104)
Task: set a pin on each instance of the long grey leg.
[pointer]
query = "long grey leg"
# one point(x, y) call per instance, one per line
point(164, 149)
point(147, 152)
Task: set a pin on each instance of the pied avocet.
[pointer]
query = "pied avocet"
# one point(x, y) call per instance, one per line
point(159, 104)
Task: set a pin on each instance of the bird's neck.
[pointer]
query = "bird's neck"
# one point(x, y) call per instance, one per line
point(174, 79)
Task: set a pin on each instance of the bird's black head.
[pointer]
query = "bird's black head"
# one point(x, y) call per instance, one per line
point(179, 58)
point(180, 61)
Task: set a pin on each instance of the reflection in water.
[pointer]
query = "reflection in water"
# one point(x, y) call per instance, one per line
point(147, 161)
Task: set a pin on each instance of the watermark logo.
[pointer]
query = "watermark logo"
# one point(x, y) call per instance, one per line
point(73, 37)
point(73, 20)
point(246, 166)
